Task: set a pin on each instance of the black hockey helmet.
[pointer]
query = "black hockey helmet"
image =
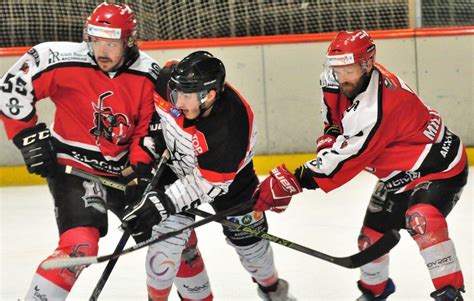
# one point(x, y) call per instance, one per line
point(198, 72)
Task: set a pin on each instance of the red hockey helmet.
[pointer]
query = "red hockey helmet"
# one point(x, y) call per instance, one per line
point(112, 22)
point(349, 48)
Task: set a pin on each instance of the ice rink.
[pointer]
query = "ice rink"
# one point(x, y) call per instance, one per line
point(328, 223)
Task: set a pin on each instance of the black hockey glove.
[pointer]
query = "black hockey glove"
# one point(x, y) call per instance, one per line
point(37, 149)
point(152, 209)
point(136, 177)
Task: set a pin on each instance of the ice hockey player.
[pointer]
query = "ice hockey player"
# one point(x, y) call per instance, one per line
point(103, 93)
point(374, 121)
point(209, 129)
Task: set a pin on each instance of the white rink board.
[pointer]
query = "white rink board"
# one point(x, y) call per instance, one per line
point(326, 222)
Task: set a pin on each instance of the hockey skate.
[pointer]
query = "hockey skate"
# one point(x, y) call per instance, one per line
point(448, 293)
point(368, 296)
point(281, 294)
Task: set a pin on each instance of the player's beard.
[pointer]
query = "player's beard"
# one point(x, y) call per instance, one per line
point(351, 90)
point(109, 61)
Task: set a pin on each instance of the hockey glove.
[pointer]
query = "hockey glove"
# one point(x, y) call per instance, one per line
point(37, 149)
point(275, 192)
point(152, 209)
point(136, 177)
point(328, 139)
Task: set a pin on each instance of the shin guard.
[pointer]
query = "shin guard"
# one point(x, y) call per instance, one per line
point(374, 275)
point(56, 284)
point(429, 229)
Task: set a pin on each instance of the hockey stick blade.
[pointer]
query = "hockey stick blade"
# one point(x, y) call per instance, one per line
point(68, 262)
point(382, 246)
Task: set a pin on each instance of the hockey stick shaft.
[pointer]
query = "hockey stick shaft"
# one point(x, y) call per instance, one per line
point(76, 261)
point(160, 167)
point(381, 247)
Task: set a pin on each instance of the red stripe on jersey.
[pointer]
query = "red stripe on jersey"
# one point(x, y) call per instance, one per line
point(217, 177)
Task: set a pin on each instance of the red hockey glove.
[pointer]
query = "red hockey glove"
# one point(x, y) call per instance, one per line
point(325, 141)
point(328, 139)
point(275, 191)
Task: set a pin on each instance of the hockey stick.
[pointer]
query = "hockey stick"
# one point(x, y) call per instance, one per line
point(126, 235)
point(160, 167)
point(381, 247)
point(86, 260)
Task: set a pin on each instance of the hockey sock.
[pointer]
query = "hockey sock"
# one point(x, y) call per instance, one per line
point(257, 259)
point(429, 229)
point(56, 284)
point(191, 280)
point(374, 275)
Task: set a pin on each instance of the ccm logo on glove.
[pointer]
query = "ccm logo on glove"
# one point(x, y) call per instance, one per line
point(33, 138)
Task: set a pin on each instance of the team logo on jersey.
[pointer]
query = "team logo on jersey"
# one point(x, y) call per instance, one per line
point(113, 127)
point(25, 67)
point(53, 57)
point(94, 196)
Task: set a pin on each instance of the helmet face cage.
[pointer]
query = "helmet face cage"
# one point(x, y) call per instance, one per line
point(174, 89)
point(198, 73)
point(112, 22)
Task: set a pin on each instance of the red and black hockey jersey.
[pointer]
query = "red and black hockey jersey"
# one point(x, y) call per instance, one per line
point(101, 118)
point(210, 153)
point(386, 130)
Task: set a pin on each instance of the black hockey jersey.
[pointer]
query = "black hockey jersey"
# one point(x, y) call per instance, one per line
point(212, 156)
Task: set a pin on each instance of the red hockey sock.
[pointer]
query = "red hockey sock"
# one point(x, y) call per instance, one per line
point(192, 274)
point(429, 229)
point(157, 294)
point(80, 241)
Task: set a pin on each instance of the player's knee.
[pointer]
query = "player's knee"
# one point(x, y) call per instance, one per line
point(75, 242)
point(79, 241)
point(367, 237)
point(426, 225)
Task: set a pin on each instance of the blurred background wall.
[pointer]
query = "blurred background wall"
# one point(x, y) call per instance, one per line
point(274, 51)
